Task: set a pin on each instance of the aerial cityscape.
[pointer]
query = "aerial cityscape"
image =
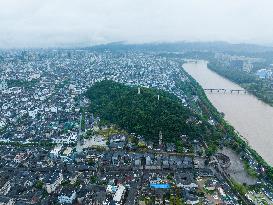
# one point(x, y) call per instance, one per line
point(167, 121)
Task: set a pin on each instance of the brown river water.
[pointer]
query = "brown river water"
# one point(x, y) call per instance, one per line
point(252, 118)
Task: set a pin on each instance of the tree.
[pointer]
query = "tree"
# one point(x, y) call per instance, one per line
point(39, 184)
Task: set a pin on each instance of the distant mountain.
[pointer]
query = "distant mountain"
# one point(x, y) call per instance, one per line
point(186, 47)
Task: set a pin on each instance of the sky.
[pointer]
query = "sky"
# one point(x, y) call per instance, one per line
point(54, 23)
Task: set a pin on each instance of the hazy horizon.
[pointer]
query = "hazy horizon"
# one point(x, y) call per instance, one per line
point(36, 23)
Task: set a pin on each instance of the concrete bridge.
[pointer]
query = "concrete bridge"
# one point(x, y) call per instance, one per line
point(223, 90)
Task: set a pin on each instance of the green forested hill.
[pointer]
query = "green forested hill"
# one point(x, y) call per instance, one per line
point(143, 113)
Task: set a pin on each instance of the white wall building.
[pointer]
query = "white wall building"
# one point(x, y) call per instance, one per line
point(53, 183)
point(66, 199)
point(118, 197)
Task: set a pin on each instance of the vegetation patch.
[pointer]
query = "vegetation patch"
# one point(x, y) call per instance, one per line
point(146, 113)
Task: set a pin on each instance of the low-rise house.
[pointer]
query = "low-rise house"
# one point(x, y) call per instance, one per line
point(69, 138)
point(119, 195)
point(117, 138)
point(4, 190)
point(264, 73)
point(165, 162)
point(187, 162)
point(185, 180)
point(117, 145)
point(211, 185)
point(176, 162)
point(67, 196)
point(204, 172)
point(52, 181)
point(137, 161)
point(152, 162)
point(54, 153)
point(170, 147)
point(117, 141)
point(3, 85)
point(190, 198)
point(6, 201)
point(2, 124)
point(20, 157)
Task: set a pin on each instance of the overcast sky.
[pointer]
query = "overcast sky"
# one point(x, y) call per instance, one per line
point(43, 23)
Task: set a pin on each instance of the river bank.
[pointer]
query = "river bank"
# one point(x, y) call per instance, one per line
point(252, 118)
point(260, 88)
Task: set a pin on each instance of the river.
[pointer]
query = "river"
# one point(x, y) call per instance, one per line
point(252, 118)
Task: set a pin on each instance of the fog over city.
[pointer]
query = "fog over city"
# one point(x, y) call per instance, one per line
point(136, 102)
point(39, 23)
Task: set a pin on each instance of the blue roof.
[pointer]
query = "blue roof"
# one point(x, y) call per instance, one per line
point(160, 186)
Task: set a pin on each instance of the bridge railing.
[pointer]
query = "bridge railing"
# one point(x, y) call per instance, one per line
point(225, 90)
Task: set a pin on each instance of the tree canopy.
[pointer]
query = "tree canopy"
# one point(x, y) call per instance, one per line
point(144, 113)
